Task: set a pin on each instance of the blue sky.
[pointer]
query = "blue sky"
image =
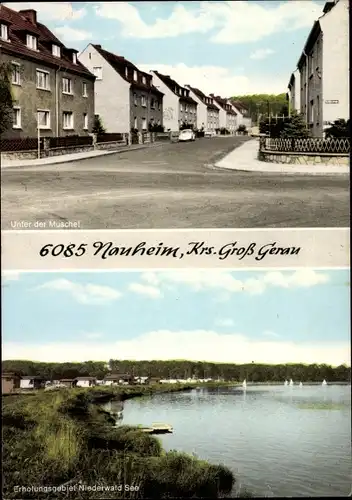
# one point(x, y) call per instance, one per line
point(228, 48)
point(274, 316)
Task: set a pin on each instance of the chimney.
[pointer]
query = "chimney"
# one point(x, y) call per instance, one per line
point(30, 15)
point(98, 46)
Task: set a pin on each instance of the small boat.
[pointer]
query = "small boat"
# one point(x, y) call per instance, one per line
point(291, 382)
point(285, 383)
point(324, 382)
point(300, 384)
point(244, 384)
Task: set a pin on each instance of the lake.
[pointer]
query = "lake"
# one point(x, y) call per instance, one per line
point(279, 441)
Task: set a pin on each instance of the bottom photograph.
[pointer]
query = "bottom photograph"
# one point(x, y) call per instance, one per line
point(187, 384)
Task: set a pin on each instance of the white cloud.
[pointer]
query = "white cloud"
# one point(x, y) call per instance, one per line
point(224, 322)
point(203, 345)
point(219, 80)
point(72, 35)
point(50, 11)
point(10, 276)
point(271, 334)
point(84, 294)
point(261, 53)
point(228, 282)
point(148, 290)
point(228, 22)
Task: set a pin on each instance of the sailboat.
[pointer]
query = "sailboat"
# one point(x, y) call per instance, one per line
point(300, 384)
point(244, 384)
point(291, 382)
point(285, 383)
point(324, 382)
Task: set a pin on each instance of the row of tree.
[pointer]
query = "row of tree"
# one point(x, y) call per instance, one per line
point(181, 369)
point(264, 104)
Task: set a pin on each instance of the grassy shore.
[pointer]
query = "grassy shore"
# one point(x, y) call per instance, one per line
point(62, 439)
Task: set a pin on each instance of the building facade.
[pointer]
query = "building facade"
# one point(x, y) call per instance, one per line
point(51, 89)
point(324, 69)
point(10, 382)
point(180, 109)
point(207, 112)
point(125, 97)
point(242, 114)
point(227, 116)
point(294, 92)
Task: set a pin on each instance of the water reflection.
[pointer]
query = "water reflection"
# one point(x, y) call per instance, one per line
point(279, 440)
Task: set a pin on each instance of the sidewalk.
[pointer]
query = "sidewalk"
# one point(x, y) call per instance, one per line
point(53, 160)
point(245, 158)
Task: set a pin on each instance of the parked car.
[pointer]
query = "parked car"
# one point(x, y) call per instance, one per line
point(187, 135)
point(209, 133)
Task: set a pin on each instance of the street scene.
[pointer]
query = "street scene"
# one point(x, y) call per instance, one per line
point(172, 185)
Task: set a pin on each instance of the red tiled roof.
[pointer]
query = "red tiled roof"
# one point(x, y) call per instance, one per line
point(120, 64)
point(223, 103)
point(172, 84)
point(18, 25)
point(203, 97)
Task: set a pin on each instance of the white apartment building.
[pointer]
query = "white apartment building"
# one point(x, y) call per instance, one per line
point(125, 97)
point(242, 115)
point(207, 111)
point(179, 107)
point(324, 69)
point(227, 116)
point(294, 92)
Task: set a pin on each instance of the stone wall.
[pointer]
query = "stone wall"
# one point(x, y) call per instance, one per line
point(304, 158)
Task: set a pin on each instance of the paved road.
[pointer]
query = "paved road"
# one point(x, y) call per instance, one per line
point(171, 185)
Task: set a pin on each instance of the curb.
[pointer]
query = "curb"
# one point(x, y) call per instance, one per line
point(70, 160)
point(284, 170)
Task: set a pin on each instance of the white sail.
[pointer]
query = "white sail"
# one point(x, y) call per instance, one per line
point(324, 382)
point(244, 384)
point(285, 383)
point(291, 382)
point(300, 384)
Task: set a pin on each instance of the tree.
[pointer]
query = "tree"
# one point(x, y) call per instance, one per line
point(98, 125)
point(340, 128)
point(6, 100)
point(295, 126)
point(262, 104)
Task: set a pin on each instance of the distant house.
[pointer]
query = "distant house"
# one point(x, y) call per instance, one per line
point(294, 92)
point(125, 97)
point(141, 380)
point(85, 381)
point(51, 89)
point(242, 112)
point(227, 116)
point(32, 382)
point(118, 379)
point(179, 107)
point(10, 382)
point(207, 112)
point(68, 382)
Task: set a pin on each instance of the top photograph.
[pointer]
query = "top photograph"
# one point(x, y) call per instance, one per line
point(175, 115)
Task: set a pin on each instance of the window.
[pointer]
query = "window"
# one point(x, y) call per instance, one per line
point(31, 42)
point(152, 103)
point(135, 122)
point(43, 119)
point(144, 80)
point(318, 109)
point(84, 89)
point(311, 114)
point(98, 72)
point(181, 106)
point(143, 100)
point(135, 99)
point(85, 121)
point(56, 51)
point(135, 75)
point(4, 33)
point(74, 58)
point(186, 108)
point(43, 80)
point(144, 123)
point(16, 74)
point(66, 86)
point(67, 120)
point(16, 118)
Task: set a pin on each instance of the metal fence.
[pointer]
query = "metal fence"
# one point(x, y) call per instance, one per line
point(306, 145)
point(70, 141)
point(25, 144)
point(110, 137)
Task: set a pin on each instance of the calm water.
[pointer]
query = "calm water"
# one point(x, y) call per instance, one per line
point(279, 441)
